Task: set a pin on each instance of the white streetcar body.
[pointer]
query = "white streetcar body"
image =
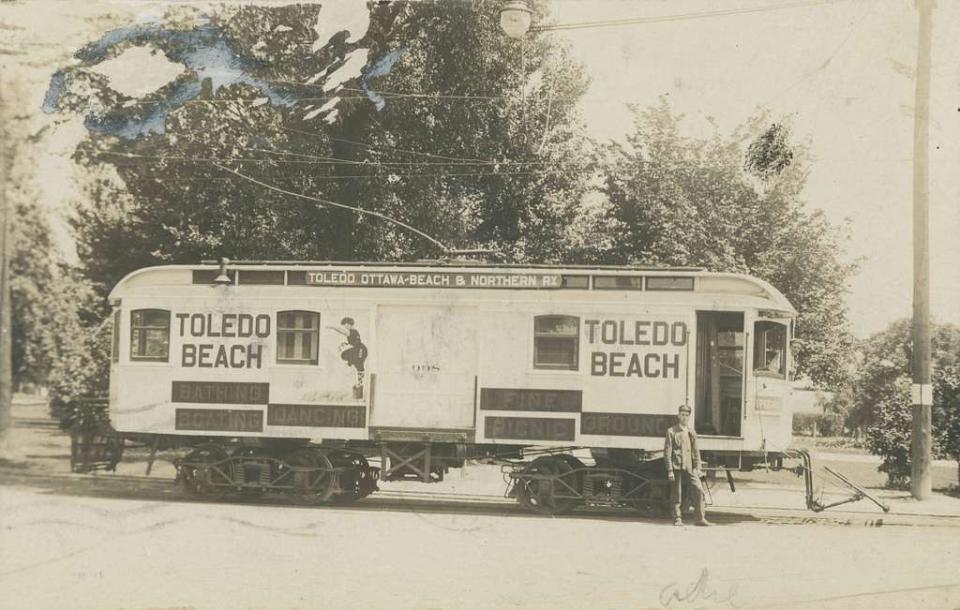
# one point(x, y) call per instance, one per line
point(474, 354)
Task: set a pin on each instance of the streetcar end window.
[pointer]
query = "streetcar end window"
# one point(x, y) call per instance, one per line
point(770, 349)
point(150, 335)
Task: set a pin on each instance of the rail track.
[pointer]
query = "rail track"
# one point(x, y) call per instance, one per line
point(154, 489)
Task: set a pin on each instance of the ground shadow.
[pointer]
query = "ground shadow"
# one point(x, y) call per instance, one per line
point(146, 489)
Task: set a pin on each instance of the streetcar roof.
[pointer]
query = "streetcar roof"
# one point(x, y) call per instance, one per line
point(608, 278)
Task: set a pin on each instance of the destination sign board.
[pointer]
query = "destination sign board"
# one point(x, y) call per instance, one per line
point(503, 399)
point(529, 428)
point(321, 416)
point(221, 392)
point(219, 420)
point(442, 279)
point(626, 424)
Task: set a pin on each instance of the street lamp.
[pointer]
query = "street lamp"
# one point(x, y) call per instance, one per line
point(515, 17)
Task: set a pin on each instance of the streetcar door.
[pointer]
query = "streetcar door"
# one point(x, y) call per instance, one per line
point(772, 390)
point(720, 373)
point(426, 367)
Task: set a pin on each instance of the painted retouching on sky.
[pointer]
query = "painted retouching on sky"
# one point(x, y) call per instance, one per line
point(841, 71)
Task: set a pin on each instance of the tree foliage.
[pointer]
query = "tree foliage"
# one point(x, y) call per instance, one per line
point(51, 301)
point(174, 202)
point(685, 201)
point(451, 128)
point(771, 153)
point(505, 169)
point(467, 135)
point(882, 396)
point(81, 370)
point(46, 296)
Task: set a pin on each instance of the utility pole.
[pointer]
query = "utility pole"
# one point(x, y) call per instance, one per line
point(922, 389)
point(6, 375)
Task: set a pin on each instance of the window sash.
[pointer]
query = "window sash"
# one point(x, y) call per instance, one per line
point(553, 352)
point(298, 320)
point(770, 346)
point(151, 318)
point(564, 326)
point(150, 335)
point(556, 343)
point(298, 337)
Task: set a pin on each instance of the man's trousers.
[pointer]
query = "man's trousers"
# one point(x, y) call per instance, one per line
point(683, 479)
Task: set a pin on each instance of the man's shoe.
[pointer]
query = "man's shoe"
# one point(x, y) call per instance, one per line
point(704, 523)
point(678, 522)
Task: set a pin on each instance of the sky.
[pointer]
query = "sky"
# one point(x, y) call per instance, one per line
point(841, 71)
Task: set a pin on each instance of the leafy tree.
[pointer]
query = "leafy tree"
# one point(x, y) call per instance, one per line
point(946, 393)
point(39, 312)
point(729, 204)
point(505, 168)
point(453, 128)
point(45, 295)
point(175, 203)
point(882, 391)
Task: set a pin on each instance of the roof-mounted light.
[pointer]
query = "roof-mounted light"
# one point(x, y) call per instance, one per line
point(222, 278)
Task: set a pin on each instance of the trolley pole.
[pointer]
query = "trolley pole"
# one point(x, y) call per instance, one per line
point(922, 389)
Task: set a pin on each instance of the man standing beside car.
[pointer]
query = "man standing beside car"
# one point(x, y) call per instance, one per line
point(682, 461)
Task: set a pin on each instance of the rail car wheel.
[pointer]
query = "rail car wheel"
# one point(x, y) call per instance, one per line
point(575, 464)
point(546, 485)
point(204, 473)
point(311, 476)
point(249, 492)
point(356, 478)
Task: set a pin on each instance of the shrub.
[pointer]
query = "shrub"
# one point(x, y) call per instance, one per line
point(803, 423)
point(946, 396)
point(82, 372)
point(828, 424)
point(883, 392)
point(889, 436)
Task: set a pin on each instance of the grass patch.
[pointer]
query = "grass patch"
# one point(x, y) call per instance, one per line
point(839, 444)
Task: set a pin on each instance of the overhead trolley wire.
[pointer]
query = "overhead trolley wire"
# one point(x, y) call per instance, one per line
point(306, 159)
point(393, 95)
point(451, 96)
point(581, 25)
point(382, 175)
point(819, 69)
point(386, 146)
point(327, 202)
point(337, 160)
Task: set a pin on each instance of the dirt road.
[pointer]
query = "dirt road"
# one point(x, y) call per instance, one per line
point(77, 551)
point(129, 541)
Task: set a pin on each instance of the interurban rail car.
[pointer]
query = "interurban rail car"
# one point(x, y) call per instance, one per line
point(289, 377)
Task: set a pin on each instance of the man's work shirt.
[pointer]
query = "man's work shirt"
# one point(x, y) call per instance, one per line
point(686, 461)
point(680, 450)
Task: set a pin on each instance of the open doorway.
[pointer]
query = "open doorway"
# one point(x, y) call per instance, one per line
point(720, 354)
